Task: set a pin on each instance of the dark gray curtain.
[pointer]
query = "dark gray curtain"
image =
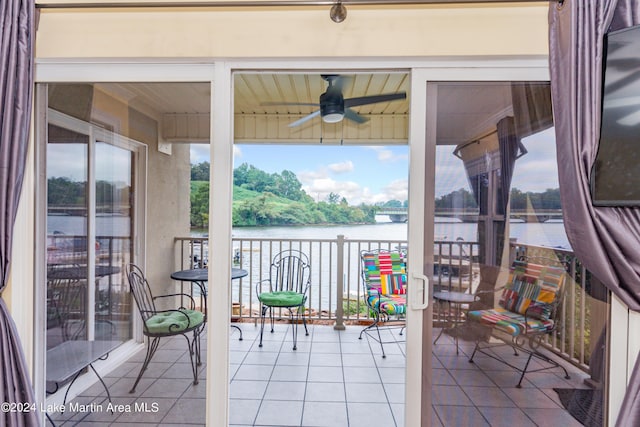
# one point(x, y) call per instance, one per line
point(531, 107)
point(16, 85)
point(509, 148)
point(606, 240)
point(509, 145)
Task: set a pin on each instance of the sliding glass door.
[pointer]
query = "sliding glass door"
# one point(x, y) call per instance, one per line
point(90, 221)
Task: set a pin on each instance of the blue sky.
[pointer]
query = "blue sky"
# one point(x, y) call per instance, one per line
point(358, 173)
point(378, 174)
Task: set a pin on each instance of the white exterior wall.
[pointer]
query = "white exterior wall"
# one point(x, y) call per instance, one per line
point(298, 32)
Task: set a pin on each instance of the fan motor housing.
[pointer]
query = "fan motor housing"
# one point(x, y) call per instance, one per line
point(332, 106)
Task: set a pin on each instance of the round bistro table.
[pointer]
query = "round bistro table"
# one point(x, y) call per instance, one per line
point(200, 276)
point(453, 300)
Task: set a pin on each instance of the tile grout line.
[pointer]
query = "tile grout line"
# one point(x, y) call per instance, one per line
point(344, 380)
point(270, 376)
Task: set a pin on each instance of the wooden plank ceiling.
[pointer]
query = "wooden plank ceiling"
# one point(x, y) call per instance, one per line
point(263, 111)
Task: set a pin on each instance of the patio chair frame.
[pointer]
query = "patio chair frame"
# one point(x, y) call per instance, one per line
point(529, 340)
point(380, 317)
point(146, 304)
point(290, 271)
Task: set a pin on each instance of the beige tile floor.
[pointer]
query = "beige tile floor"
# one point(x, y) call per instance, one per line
point(333, 379)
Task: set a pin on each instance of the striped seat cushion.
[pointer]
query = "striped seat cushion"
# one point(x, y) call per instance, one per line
point(389, 304)
point(510, 322)
point(532, 290)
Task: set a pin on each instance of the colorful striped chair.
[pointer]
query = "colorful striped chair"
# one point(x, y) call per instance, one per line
point(526, 313)
point(384, 278)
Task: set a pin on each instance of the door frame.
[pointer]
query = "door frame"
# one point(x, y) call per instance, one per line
point(421, 170)
point(424, 86)
point(138, 150)
point(69, 71)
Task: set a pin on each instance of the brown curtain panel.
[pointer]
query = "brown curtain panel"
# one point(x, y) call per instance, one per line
point(16, 85)
point(606, 240)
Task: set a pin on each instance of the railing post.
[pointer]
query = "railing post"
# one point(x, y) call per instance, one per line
point(339, 325)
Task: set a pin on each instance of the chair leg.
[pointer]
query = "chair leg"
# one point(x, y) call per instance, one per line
point(304, 322)
point(197, 344)
point(264, 312)
point(380, 341)
point(152, 346)
point(371, 326)
point(294, 327)
point(272, 317)
point(376, 320)
point(191, 345)
point(239, 330)
point(532, 352)
point(438, 337)
point(474, 351)
point(524, 371)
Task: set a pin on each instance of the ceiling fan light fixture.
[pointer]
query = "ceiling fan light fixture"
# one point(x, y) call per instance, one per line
point(331, 107)
point(338, 12)
point(333, 117)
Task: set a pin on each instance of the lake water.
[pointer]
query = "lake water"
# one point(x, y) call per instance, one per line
point(551, 233)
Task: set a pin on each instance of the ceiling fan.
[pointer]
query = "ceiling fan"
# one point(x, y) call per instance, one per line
point(334, 107)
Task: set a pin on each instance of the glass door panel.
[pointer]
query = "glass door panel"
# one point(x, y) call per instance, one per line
point(497, 207)
point(114, 230)
point(90, 223)
point(67, 231)
point(117, 165)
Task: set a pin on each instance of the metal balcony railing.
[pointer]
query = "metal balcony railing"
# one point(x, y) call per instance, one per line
point(336, 291)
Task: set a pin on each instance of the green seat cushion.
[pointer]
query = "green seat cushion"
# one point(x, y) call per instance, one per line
point(281, 299)
point(174, 321)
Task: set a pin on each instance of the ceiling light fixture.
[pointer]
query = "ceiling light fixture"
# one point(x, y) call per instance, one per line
point(338, 12)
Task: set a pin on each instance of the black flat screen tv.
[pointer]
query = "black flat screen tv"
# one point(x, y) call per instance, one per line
point(615, 177)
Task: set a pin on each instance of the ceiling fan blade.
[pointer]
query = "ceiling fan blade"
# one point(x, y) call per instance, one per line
point(363, 100)
point(304, 119)
point(272, 104)
point(353, 116)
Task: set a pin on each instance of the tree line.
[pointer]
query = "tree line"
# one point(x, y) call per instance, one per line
point(262, 199)
point(519, 200)
point(62, 191)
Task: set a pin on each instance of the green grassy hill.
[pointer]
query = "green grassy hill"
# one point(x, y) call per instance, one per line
point(252, 208)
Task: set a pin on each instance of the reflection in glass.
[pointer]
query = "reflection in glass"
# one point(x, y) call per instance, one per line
point(511, 171)
point(113, 241)
point(67, 207)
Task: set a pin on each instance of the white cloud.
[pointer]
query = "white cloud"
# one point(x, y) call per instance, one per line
point(237, 152)
point(385, 155)
point(342, 167)
point(319, 187)
point(397, 190)
point(535, 175)
point(199, 153)
point(308, 176)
